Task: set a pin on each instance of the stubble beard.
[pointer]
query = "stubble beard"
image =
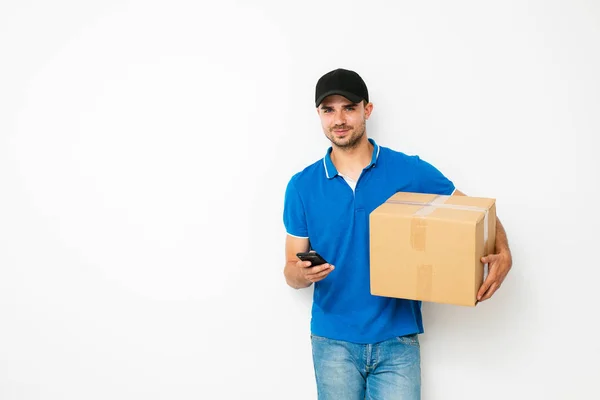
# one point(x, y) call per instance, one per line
point(349, 142)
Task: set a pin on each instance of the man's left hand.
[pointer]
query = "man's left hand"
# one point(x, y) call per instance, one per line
point(498, 267)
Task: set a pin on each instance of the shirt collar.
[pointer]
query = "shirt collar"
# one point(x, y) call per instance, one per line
point(331, 171)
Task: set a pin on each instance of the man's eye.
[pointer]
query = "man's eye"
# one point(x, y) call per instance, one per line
point(349, 108)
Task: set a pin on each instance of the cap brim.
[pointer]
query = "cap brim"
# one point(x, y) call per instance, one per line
point(352, 97)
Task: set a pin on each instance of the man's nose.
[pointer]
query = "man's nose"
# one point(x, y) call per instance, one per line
point(339, 118)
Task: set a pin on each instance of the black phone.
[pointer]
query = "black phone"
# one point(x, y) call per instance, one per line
point(314, 258)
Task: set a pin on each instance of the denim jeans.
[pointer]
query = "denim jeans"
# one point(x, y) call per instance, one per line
point(387, 370)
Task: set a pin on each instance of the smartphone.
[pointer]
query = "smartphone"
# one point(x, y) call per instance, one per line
point(314, 258)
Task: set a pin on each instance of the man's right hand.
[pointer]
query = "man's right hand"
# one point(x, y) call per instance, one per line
point(299, 274)
point(314, 274)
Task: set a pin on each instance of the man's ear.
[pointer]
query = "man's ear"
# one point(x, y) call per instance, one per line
point(368, 110)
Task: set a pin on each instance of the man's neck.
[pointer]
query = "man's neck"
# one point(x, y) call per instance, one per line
point(351, 162)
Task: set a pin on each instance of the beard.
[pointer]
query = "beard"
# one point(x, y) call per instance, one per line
point(352, 138)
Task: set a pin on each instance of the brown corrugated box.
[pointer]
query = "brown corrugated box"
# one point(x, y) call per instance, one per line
point(429, 247)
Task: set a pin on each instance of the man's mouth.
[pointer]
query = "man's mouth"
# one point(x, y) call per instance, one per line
point(341, 131)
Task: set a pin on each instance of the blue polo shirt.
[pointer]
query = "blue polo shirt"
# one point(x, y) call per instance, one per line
point(320, 205)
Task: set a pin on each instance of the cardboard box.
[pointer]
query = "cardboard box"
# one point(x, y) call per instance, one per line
point(429, 247)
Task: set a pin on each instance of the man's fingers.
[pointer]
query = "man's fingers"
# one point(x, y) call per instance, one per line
point(320, 272)
point(484, 288)
point(318, 269)
point(320, 276)
point(490, 292)
point(489, 258)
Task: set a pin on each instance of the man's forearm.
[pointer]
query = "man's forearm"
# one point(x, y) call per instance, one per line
point(293, 276)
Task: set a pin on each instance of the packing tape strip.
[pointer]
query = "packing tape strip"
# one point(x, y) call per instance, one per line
point(440, 202)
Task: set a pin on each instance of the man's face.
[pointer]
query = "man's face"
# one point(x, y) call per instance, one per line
point(343, 121)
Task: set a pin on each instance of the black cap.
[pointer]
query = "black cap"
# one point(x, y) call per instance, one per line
point(343, 82)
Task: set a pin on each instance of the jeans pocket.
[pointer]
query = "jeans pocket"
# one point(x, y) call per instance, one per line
point(409, 340)
point(317, 338)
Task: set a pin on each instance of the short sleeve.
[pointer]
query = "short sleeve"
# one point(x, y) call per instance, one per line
point(294, 217)
point(431, 180)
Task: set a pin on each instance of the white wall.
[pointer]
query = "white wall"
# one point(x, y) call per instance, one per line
point(141, 238)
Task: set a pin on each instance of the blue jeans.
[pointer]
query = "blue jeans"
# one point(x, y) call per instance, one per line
point(387, 370)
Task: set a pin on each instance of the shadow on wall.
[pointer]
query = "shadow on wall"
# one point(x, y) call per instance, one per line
point(510, 315)
point(305, 296)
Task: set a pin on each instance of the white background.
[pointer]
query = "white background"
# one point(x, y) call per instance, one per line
point(145, 147)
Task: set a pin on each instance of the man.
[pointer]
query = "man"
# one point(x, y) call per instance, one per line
point(364, 346)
